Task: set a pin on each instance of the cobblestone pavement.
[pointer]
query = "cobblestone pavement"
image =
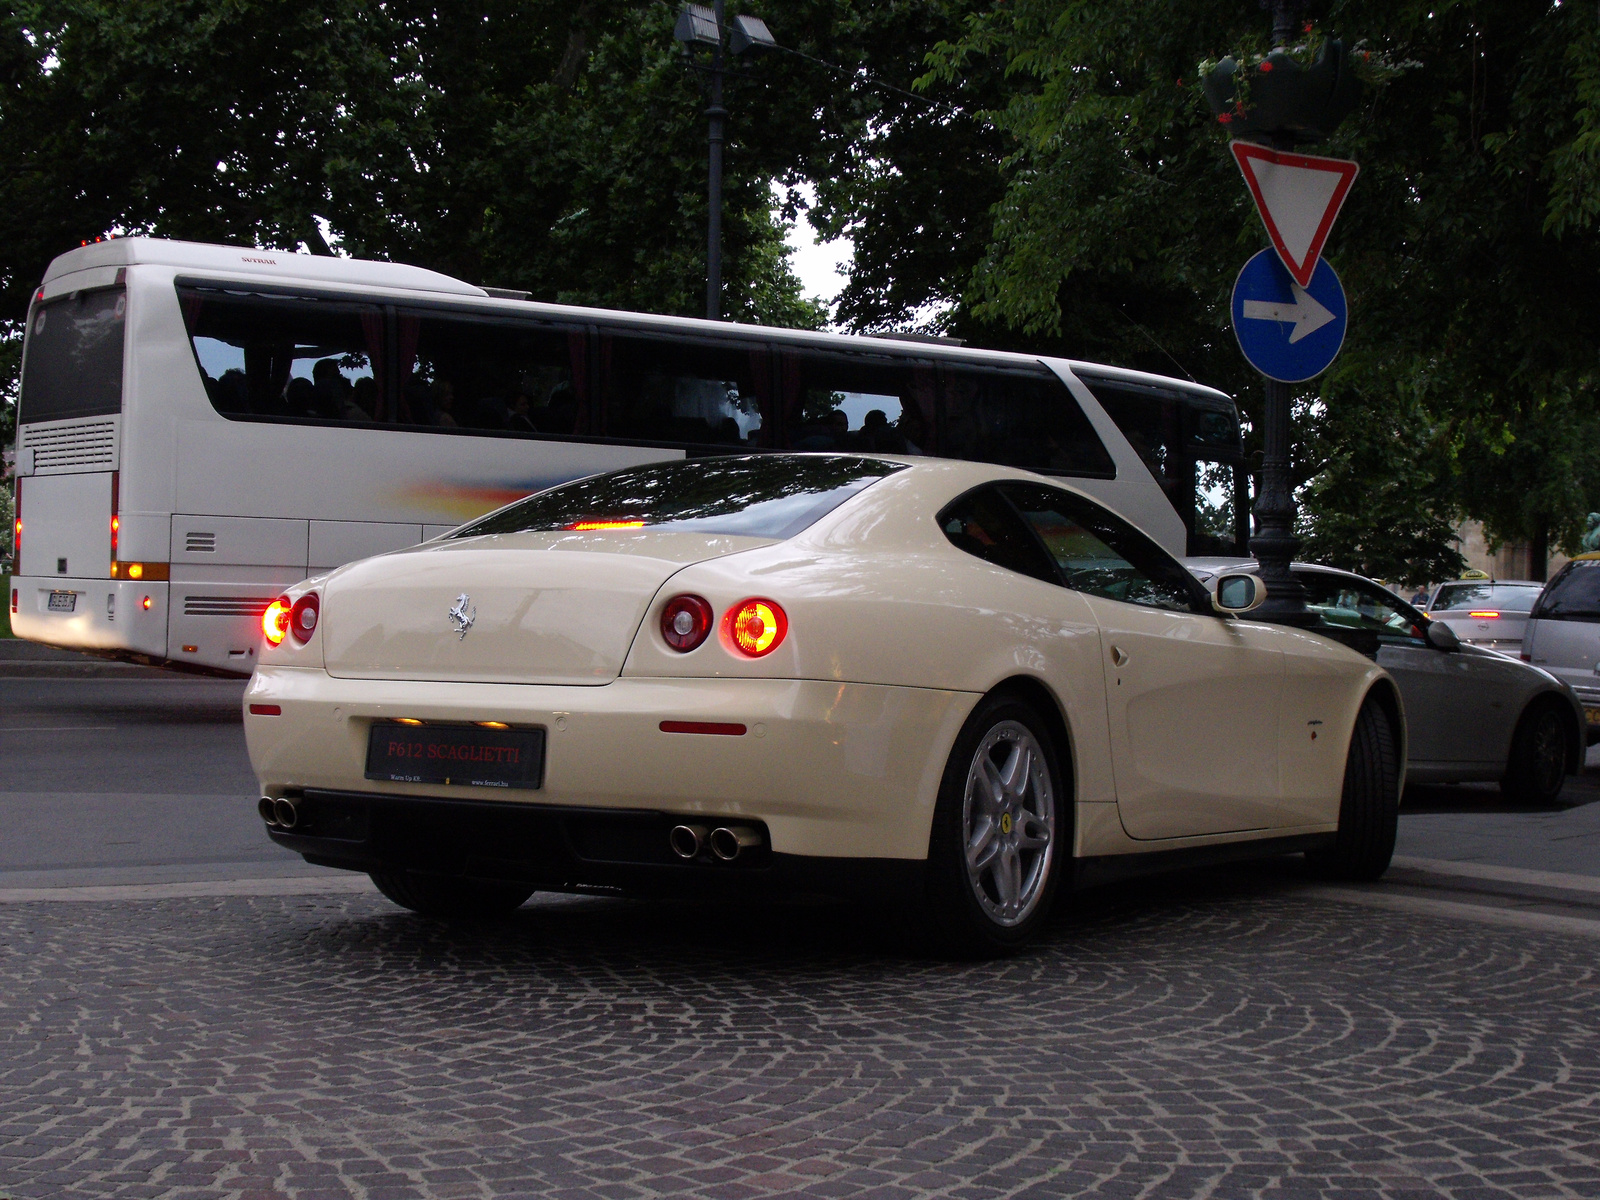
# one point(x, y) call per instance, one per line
point(1217, 1035)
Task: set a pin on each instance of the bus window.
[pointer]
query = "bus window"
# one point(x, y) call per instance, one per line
point(1192, 446)
point(479, 373)
point(74, 357)
point(681, 392)
point(287, 357)
point(859, 402)
point(1019, 418)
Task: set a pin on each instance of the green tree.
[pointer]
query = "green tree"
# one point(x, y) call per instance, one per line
point(1468, 245)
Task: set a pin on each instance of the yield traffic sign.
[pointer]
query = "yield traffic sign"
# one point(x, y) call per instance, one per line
point(1288, 332)
point(1298, 197)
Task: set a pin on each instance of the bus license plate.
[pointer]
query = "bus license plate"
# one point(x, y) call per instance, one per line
point(457, 754)
point(62, 601)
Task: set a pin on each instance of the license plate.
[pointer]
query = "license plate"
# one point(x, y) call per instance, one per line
point(62, 601)
point(1592, 715)
point(455, 754)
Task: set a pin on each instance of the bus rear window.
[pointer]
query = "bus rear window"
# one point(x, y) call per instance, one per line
point(73, 358)
point(766, 496)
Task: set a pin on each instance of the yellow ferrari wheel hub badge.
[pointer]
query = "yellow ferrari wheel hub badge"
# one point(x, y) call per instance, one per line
point(1005, 822)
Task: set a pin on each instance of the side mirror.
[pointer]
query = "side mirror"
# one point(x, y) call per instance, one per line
point(1442, 637)
point(1237, 593)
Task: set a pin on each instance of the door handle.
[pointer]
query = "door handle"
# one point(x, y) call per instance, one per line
point(1118, 657)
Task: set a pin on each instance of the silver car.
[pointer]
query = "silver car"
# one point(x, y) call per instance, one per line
point(1472, 714)
point(1563, 635)
point(1486, 612)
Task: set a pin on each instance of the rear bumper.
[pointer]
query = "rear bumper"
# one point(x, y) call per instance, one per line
point(555, 848)
point(107, 615)
point(830, 770)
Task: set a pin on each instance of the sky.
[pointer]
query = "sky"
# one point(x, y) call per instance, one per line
point(817, 265)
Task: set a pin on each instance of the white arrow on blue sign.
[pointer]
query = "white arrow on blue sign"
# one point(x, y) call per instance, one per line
point(1289, 333)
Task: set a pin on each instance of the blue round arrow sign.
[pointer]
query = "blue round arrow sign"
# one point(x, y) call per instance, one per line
point(1289, 333)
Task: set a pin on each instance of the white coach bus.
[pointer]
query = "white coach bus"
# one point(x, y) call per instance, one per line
point(201, 425)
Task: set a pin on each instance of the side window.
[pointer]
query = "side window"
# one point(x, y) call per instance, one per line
point(668, 390)
point(283, 356)
point(1021, 419)
point(986, 527)
point(473, 373)
point(868, 403)
point(1358, 605)
point(1101, 554)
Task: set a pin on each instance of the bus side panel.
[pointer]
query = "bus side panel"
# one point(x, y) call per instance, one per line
point(1134, 493)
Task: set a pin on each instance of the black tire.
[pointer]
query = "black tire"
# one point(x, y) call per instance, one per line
point(1369, 806)
point(964, 912)
point(449, 896)
point(1536, 770)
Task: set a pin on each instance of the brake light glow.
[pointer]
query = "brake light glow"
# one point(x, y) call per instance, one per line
point(147, 604)
point(685, 622)
point(757, 627)
point(591, 526)
point(275, 621)
point(303, 617)
point(1483, 614)
point(16, 534)
point(116, 521)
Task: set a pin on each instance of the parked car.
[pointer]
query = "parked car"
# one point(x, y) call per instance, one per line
point(1472, 713)
point(949, 687)
point(1563, 634)
point(1485, 612)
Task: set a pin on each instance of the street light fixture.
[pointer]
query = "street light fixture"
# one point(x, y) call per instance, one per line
point(708, 27)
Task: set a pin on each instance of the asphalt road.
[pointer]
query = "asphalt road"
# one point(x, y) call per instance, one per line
point(128, 778)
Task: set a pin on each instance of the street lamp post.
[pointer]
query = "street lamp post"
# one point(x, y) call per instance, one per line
point(709, 28)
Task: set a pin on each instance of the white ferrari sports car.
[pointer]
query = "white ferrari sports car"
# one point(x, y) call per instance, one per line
point(950, 686)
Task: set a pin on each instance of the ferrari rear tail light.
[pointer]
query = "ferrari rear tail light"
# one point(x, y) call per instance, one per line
point(685, 622)
point(757, 627)
point(303, 617)
point(275, 621)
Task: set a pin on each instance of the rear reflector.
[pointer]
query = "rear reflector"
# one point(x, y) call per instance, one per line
point(701, 727)
point(266, 710)
point(141, 570)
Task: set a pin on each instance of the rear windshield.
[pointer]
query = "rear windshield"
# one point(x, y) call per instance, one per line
point(1574, 594)
point(768, 496)
point(73, 359)
point(1502, 597)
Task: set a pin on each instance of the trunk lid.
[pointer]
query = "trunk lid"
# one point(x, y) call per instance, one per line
point(539, 607)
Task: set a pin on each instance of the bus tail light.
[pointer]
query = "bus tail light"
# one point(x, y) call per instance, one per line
point(685, 622)
point(116, 520)
point(275, 621)
point(303, 618)
point(757, 627)
point(16, 534)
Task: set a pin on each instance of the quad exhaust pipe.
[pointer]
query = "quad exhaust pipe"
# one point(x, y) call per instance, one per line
point(725, 842)
point(279, 812)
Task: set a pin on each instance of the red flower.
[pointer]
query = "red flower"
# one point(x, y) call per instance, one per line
point(1225, 118)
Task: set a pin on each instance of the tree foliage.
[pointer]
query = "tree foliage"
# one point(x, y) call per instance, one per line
point(1468, 245)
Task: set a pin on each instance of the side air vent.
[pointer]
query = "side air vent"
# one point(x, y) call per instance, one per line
point(226, 606)
point(80, 446)
point(195, 542)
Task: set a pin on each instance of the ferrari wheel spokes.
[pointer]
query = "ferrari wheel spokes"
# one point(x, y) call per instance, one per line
point(1009, 822)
